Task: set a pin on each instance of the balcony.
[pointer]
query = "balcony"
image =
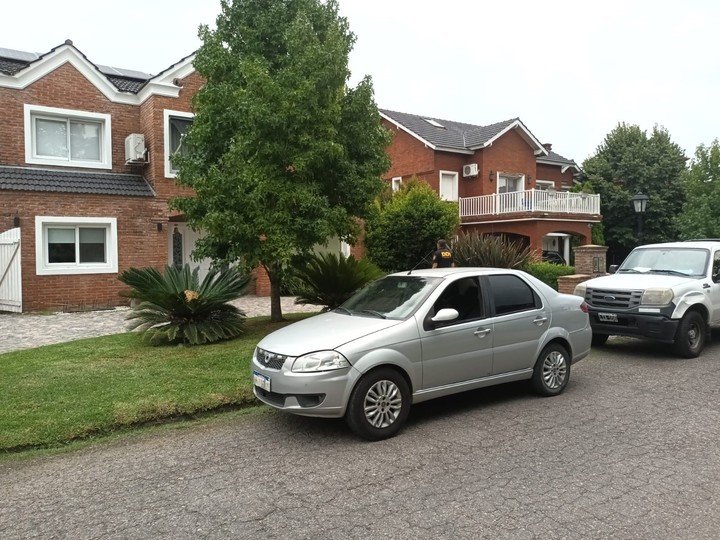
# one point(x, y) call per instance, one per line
point(533, 202)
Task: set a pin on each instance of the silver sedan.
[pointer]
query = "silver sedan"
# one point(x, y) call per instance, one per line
point(414, 336)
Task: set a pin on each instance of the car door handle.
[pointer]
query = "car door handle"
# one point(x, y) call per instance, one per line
point(540, 320)
point(481, 332)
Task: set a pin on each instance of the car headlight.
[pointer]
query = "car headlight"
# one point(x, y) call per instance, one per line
point(320, 361)
point(580, 289)
point(656, 297)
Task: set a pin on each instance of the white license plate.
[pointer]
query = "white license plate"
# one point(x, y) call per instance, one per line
point(607, 317)
point(261, 381)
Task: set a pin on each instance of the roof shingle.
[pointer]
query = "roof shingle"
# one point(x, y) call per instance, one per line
point(53, 180)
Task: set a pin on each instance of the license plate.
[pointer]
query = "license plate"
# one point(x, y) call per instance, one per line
point(607, 317)
point(261, 381)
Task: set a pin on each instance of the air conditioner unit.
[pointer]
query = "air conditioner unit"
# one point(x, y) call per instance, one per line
point(135, 151)
point(471, 169)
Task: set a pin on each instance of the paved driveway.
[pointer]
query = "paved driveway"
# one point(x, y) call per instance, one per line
point(630, 450)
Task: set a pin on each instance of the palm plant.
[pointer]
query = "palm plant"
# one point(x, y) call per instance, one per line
point(472, 249)
point(328, 279)
point(175, 307)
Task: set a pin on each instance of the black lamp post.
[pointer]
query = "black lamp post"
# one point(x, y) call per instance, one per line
point(640, 201)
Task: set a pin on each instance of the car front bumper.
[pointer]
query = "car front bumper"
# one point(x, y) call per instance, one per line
point(656, 327)
point(323, 394)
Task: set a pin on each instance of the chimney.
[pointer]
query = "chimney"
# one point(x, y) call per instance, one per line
point(548, 146)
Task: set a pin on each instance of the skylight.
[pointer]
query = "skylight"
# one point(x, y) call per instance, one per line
point(434, 122)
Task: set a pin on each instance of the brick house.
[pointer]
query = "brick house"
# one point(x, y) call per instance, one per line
point(85, 176)
point(504, 180)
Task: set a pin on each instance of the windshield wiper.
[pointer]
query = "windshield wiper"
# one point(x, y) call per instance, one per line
point(346, 310)
point(664, 271)
point(628, 270)
point(373, 312)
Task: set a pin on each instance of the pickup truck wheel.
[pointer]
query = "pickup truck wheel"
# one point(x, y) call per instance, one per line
point(599, 339)
point(379, 405)
point(552, 370)
point(691, 335)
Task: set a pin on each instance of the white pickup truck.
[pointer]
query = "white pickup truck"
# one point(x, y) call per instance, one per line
point(666, 292)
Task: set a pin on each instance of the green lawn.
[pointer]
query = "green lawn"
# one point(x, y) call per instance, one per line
point(57, 394)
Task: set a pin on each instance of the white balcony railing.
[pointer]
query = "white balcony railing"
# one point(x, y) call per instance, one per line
point(532, 201)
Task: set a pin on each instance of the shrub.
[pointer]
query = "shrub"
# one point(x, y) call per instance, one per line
point(473, 249)
point(548, 272)
point(402, 230)
point(328, 279)
point(175, 307)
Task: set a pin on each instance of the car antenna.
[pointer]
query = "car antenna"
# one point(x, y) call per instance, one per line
point(420, 261)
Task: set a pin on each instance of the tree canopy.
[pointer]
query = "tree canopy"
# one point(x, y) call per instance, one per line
point(701, 181)
point(402, 230)
point(627, 162)
point(282, 153)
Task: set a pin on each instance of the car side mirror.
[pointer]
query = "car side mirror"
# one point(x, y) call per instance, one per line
point(445, 314)
point(613, 268)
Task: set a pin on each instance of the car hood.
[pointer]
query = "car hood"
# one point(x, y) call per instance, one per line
point(322, 332)
point(636, 281)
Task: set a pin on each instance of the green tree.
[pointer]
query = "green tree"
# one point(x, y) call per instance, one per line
point(627, 162)
point(402, 230)
point(282, 154)
point(699, 217)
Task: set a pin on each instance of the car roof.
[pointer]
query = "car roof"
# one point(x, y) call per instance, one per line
point(704, 243)
point(456, 271)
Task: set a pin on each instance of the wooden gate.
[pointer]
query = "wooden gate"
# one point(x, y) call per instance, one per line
point(10, 277)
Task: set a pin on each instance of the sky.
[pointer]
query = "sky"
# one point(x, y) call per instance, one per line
point(570, 70)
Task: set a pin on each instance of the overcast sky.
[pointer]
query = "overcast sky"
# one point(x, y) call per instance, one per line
point(570, 70)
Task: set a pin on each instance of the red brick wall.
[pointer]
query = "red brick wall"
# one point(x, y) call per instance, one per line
point(509, 154)
point(409, 156)
point(139, 245)
point(555, 174)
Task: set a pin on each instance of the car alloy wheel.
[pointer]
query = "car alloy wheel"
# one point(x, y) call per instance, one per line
point(383, 403)
point(552, 370)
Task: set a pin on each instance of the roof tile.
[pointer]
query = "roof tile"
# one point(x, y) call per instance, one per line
point(53, 180)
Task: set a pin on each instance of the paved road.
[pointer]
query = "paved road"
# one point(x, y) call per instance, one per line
point(630, 450)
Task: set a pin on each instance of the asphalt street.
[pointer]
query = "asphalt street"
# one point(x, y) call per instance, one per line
point(629, 451)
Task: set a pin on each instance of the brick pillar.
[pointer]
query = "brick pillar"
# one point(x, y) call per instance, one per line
point(262, 282)
point(589, 263)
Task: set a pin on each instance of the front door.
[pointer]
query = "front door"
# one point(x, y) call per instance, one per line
point(462, 349)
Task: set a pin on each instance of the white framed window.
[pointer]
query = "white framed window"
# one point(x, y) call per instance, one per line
point(67, 137)
point(511, 183)
point(449, 185)
point(544, 185)
point(396, 183)
point(175, 125)
point(75, 245)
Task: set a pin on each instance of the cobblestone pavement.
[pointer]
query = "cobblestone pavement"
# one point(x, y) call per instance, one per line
point(32, 330)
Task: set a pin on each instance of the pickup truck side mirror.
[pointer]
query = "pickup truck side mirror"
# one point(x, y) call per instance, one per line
point(613, 268)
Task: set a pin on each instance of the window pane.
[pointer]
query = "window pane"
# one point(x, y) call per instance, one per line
point(178, 127)
point(85, 141)
point(51, 138)
point(61, 245)
point(92, 245)
point(511, 294)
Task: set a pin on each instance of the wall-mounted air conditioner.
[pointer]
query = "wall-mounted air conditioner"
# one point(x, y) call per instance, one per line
point(135, 150)
point(471, 169)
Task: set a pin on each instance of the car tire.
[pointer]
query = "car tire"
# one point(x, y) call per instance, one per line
point(379, 405)
point(552, 370)
point(691, 336)
point(599, 339)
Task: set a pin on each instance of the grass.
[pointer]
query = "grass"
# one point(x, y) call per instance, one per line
point(58, 394)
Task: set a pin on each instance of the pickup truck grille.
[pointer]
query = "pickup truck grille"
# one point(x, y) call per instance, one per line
point(608, 298)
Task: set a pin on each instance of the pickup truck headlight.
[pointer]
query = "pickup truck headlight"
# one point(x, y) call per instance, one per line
point(656, 297)
point(320, 361)
point(580, 289)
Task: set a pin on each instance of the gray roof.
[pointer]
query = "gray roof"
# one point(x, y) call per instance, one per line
point(54, 180)
point(460, 136)
point(125, 80)
point(450, 135)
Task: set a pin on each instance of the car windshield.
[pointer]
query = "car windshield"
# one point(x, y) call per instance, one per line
point(690, 262)
point(392, 297)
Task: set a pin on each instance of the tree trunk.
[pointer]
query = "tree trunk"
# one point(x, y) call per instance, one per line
point(275, 306)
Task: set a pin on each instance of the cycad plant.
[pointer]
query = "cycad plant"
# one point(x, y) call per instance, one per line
point(176, 308)
point(328, 280)
point(472, 249)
